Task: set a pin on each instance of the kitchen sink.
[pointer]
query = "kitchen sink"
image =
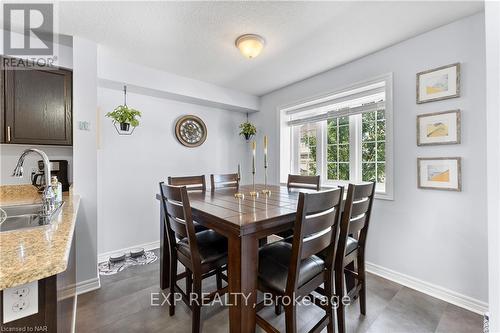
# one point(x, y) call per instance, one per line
point(26, 216)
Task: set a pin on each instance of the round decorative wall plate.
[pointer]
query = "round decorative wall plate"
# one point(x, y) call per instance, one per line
point(191, 131)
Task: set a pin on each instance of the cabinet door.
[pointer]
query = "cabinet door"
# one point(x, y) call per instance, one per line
point(38, 107)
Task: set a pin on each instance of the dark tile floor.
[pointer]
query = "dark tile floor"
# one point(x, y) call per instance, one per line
point(123, 304)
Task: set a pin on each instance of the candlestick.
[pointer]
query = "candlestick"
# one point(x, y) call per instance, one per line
point(254, 148)
point(265, 151)
point(253, 193)
point(238, 194)
point(265, 190)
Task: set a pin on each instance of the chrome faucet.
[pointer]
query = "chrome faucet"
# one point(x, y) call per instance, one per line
point(48, 197)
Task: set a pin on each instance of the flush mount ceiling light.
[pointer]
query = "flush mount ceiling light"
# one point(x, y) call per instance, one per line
point(250, 45)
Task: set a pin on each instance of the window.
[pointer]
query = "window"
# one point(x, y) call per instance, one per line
point(343, 136)
point(373, 147)
point(307, 150)
point(338, 150)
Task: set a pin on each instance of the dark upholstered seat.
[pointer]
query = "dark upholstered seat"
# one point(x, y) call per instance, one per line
point(352, 244)
point(211, 245)
point(198, 227)
point(274, 261)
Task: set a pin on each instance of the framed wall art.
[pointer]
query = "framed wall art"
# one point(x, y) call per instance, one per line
point(439, 128)
point(438, 83)
point(440, 173)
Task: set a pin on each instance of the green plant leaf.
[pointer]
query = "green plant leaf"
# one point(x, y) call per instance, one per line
point(125, 114)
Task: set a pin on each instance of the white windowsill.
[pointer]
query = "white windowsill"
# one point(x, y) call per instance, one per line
point(378, 195)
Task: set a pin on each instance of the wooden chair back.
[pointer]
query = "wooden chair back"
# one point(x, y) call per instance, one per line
point(356, 216)
point(192, 183)
point(305, 182)
point(179, 221)
point(315, 229)
point(224, 181)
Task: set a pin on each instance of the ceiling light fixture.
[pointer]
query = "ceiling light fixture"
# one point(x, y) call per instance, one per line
point(250, 45)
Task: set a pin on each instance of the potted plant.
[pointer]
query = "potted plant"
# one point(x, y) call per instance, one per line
point(125, 116)
point(247, 129)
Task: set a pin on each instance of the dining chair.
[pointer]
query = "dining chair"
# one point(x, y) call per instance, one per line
point(203, 254)
point(300, 182)
point(351, 246)
point(192, 183)
point(304, 182)
point(294, 271)
point(224, 181)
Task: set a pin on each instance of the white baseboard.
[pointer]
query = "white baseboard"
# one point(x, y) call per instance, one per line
point(433, 290)
point(102, 257)
point(88, 285)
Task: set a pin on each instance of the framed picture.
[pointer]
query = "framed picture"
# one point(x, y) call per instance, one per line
point(438, 83)
point(440, 173)
point(439, 128)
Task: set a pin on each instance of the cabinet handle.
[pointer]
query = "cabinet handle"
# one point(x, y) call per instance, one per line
point(8, 133)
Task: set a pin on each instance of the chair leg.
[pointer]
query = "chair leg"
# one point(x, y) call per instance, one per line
point(196, 307)
point(362, 281)
point(291, 318)
point(218, 277)
point(329, 309)
point(339, 292)
point(173, 282)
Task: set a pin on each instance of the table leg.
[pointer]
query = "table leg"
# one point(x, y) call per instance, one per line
point(164, 253)
point(242, 269)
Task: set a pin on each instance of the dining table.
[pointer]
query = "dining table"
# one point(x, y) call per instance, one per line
point(244, 222)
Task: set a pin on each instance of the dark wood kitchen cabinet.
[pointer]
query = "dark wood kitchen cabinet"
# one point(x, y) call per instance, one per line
point(37, 106)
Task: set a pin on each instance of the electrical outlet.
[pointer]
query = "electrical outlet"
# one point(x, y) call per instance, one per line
point(20, 301)
point(21, 292)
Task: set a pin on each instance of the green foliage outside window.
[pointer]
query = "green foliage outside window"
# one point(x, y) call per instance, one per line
point(338, 154)
point(373, 146)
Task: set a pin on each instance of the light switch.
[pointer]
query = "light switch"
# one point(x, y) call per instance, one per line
point(84, 126)
point(20, 301)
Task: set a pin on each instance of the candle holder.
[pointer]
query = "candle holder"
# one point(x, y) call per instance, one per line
point(238, 194)
point(253, 193)
point(265, 191)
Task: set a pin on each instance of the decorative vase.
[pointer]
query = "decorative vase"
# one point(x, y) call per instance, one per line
point(125, 127)
point(248, 136)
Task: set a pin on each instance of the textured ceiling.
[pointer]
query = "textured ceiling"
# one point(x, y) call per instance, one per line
point(196, 39)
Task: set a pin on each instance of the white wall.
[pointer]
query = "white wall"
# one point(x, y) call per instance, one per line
point(130, 167)
point(10, 154)
point(85, 160)
point(492, 10)
point(158, 83)
point(436, 236)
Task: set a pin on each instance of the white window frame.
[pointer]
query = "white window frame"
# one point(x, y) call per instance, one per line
point(289, 140)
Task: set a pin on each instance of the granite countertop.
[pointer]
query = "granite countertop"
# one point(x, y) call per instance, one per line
point(32, 254)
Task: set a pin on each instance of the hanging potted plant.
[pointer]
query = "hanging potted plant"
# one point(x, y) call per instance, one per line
point(125, 116)
point(248, 130)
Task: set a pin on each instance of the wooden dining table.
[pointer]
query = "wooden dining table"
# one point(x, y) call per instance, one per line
point(244, 222)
